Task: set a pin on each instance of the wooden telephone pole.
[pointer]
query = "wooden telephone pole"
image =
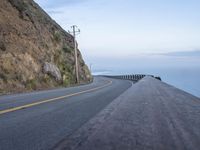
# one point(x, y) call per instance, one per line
point(75, 31)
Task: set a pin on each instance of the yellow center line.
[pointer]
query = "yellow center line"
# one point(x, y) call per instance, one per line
point(52, 99)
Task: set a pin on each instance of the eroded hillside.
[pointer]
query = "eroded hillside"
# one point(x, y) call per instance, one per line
point(35, 52)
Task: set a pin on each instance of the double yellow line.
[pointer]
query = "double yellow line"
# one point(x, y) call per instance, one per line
point(52, 99)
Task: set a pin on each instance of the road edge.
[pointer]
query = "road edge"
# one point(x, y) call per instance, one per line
point(79, 136)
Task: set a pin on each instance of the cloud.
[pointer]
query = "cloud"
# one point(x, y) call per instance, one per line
point(195, 53)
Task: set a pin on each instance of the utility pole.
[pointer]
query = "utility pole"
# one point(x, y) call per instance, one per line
point(75, 31)
point(91, 68)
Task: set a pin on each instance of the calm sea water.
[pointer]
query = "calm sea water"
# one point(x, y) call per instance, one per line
point(182, 72)
point(186, 79)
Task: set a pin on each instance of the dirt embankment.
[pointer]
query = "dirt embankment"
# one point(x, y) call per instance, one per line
point(29, 40)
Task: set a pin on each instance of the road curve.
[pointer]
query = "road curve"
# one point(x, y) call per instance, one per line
point(39, 120)
point(151, 115)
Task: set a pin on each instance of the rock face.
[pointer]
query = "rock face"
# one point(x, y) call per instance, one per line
point(29, 39)
point(52, 70)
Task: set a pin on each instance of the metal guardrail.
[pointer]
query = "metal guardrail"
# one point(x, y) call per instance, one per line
point(133, 77)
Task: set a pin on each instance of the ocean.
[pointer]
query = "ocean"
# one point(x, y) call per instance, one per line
point(185, 79)
point(182, 73)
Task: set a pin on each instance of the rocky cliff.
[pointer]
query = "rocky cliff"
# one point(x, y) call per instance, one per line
point(35, 52)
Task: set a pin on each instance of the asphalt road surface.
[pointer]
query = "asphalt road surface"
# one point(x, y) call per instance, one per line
point(108, 114)
point(40, 120)
point(151, 115)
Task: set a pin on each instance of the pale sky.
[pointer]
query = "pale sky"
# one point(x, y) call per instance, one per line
point(131, 35)
point(127, 27)
point(158, 37)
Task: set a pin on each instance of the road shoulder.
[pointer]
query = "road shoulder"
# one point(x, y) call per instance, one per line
point(140, 118)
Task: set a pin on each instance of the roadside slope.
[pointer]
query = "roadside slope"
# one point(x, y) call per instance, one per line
point(35, 52)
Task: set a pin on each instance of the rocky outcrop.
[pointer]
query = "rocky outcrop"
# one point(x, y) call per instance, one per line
point(52, 70)
point(28, 39)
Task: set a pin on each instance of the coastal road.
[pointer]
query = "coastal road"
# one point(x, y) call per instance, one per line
point(108, 114)
point(150, 115)
point(40, 120)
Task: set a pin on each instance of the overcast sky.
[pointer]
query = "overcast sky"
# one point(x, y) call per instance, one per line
point(127, 27)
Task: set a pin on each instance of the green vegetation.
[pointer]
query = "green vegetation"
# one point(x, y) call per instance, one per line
point(66, 81)
point(58, 57)
point(67, 49)
point(65, 68)
point(66, 72)
point(20, 5)
point(47, 78)
point(31, 84)
point(57, 36)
